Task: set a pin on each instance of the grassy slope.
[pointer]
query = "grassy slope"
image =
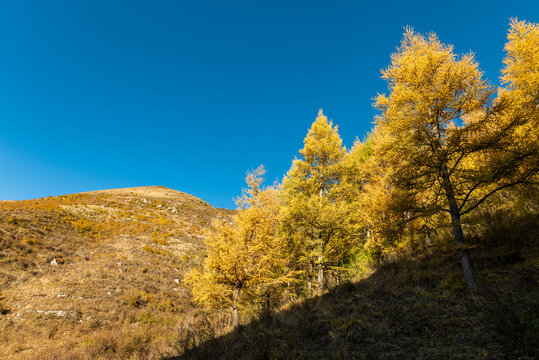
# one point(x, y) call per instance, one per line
point(411, 309)
point(115, 290)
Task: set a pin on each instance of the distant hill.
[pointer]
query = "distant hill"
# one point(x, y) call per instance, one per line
point(98, 274)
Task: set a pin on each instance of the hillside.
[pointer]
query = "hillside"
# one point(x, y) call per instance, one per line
point(98, 274)
point(415, 308)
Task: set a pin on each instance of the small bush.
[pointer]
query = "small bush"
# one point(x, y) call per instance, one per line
point(159, 238)
point(154, 250)
point(4, 310)
point(31, 242)
point(138, 300)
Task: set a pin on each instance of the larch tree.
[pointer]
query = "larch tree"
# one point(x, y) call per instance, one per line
point(317, 209)
point(521, 72)
point(373, 197)
point(521, 79)
point(246, 260)
point(442, 136)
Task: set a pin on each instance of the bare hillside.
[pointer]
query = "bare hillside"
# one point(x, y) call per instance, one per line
point(98, 274)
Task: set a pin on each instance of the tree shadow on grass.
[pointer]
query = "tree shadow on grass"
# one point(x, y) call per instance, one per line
point(410, 309)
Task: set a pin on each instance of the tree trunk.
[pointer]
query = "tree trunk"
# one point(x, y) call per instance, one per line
point(320, 255)
point(310, 275)
point(235, 306)
point(267, 307)
point(268, 304)
point(469, 273)
point(320, 275)
point(229, 320)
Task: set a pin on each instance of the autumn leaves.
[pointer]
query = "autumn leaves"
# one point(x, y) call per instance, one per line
point(445, 141)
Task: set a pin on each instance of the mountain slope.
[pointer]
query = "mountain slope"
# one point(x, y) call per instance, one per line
point(98, 274)
point(409, 309)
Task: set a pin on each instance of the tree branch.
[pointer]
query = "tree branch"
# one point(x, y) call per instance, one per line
point(522, 180)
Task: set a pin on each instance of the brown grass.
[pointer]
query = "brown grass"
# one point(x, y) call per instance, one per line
point(416, 306)
point(116, 291)
point(409, 309)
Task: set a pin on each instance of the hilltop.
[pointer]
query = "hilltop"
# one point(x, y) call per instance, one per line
point(98, 274)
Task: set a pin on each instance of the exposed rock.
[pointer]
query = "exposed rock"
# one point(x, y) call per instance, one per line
point(59, 313)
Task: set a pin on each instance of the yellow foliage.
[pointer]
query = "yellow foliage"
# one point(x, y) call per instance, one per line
point(160, 238)
point(244, 259)
point(319, 203)
point(31, 241)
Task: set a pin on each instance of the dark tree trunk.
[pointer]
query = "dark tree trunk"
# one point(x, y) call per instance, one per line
point(267, 308)
point(469, 273)
point(268, 304)
point(320, 274)
point(310, 275)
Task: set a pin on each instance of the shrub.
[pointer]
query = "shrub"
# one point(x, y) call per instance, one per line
point(31, 242)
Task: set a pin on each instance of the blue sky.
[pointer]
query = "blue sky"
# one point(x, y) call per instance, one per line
point(192, 94)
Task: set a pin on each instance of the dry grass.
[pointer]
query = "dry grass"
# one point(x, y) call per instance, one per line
point(412, 307)
point(116, 291)
point(409, 309)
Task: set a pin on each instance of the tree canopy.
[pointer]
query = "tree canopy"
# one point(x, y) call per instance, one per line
point(445, 141)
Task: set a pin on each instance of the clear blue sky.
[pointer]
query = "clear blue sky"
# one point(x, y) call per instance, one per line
point(192, 94)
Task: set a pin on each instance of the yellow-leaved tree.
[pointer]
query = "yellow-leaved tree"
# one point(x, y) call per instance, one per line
point(318, 218)
point(521, 72)
point(372, 199)
point(521, 78)
point(246, 260)
point(442, 137)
